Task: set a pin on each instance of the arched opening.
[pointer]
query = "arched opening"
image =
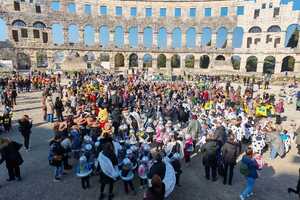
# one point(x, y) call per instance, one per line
point(104, 36)
point(147, 37)
point(72, 55)
point(274, 28)
point(89, 57)
point(57, 33)
point(221, 37)
point(161, 61)
point(206, 37)
point(191, 38)
point(104, 57)
point(58, 57)
point(147, 61)
point(73, 33)
point(176, 38)
point(119, 37)
point(236, 62)
point(3, 32)
point(220, 57)
point(133, 37)
point(255, 29)
point(288, 64)
point(189, 61)
point(39, 25)
point(119, 60)
point(175, 61)
point(292, 36)
point(89, 35)
point(269, 65)
point(204, 61)
point(133, 60)
point(23, 61)
point(162, 38)
point(41, 59)
point(251, 64)
point(237, 37)
point(19, 23)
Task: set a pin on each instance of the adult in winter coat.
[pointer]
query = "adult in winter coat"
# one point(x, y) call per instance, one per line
point(230, 152)
point(25, 126)
point(220, 133)
point(157, 189)
point(158, 168)
point(209, 150)
point(59, 108)
point(10, 154)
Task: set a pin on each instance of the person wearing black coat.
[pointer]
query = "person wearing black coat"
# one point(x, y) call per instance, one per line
point(209, 160)
point(220, 133)
point(158, 168)
point(25, 126)
point(10, 154)
point(59, 109)
point(230, 152)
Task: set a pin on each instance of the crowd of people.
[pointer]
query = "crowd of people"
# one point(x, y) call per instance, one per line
point(127, 127)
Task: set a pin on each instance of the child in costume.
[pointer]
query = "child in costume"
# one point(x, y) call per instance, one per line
point(188, 148)
point(143, 171)
point(127, 175)
point(83, 172)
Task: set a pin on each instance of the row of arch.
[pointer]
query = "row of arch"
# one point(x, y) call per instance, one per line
point(288, 62)
point(133, 35)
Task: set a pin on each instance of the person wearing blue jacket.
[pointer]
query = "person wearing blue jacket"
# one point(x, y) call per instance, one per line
point(252, 173)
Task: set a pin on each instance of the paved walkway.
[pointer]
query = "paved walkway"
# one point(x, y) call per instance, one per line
point(38, 182)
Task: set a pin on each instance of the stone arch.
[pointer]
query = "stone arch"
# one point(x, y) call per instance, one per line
point(72, 54)
point(58, 57)
point(255, 29)
point(189, 61)
point(89, 57)
point(19, 23)
point(133, 60)
point(292, 36)
point(119, 37)
point(162, 38)
point(269, 65)
point(251, 64)
point(204, 61)
point(23, 61)
point(104, 35)
point(119, 60)
point(39, 25)
point(220, 58)
point(161, 61)
point(89, 35)
point(288, 64)
point(41, 59)
point(73, 33)
point(237, 37)
point(236, 62)
point(175, 61)
point(191, 38)
point(57, 33)
point(222, 37)
point(147, 37)
point(176, 38)
point(133, 36)
point(147, 61)
point(274, 28)
point(3, 32)
point(104, 57)
point(206, 36)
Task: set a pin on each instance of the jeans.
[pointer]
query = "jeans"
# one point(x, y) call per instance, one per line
point(249, 187)
point(50, 118)
point(58, 171)
point(273, 153)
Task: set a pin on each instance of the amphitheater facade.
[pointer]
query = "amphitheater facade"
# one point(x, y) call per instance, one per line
point(161, 36)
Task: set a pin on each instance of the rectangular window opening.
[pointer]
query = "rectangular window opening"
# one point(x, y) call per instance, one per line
point(133, 12)
point(24, 33)
point(224, 11)
point(38, 9)
point(15, 35)
point(103, 10)
point(162, 12)
point(36, 34)
point(177, 12)
point(207, 12)
point(45, 37)
point(240, 10)
point(17, 6)
point(148, 12)
point(276, 12)
point(192, 12)
point(256, 13)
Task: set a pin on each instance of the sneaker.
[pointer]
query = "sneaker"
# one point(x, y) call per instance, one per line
point(241, 197)
point(250, 194)
point(57, 180)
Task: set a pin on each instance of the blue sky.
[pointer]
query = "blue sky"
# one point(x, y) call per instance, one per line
point(176, 36)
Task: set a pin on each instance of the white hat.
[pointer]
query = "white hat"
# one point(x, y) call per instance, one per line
point(149, 130)
point(126, 161)
point(145, 159)
point(88, 147)
point(82, 159)
point(128, 151)
point(97, 144)
point(87, 138)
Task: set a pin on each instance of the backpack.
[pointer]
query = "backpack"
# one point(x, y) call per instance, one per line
point(244, 170)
